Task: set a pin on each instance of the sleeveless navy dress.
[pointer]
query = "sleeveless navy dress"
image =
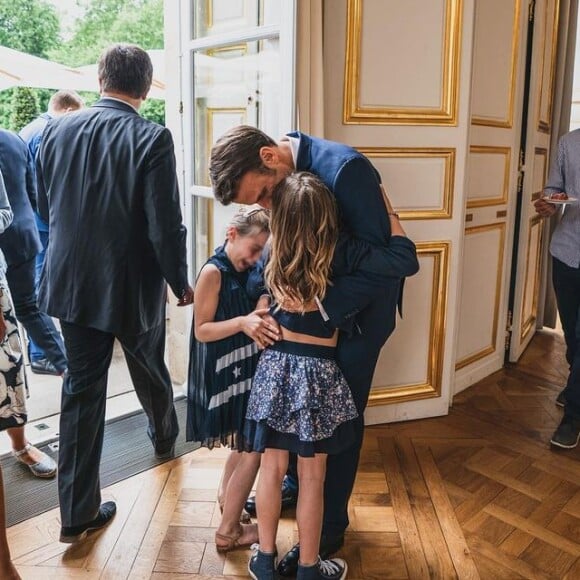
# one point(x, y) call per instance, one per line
point(220, 372)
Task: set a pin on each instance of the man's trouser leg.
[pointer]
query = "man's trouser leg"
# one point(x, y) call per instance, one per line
point(145, 358)
point(566, 282)
point(82, 422)
point(357, 358)
point(39, 326)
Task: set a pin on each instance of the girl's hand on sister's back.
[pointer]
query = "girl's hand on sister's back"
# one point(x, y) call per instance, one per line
point(260, 328)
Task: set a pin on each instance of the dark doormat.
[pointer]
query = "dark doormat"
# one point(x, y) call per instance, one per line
point(127, 451)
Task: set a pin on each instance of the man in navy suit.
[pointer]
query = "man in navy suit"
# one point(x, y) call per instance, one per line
point(245, 166)
point(20, 244)
point(61, 103)
point(116, 241)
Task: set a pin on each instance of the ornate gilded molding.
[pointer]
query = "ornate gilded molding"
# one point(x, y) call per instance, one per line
point(529, 322)
point(503, 198)
point(544, 125)
point(471, 358)
point(445, 153)
point(445, 114)
point(439, 251)
point(541, 152)
point(507, 123)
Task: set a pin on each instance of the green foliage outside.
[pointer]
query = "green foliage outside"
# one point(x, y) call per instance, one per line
point(24, 108)
point(33, 26)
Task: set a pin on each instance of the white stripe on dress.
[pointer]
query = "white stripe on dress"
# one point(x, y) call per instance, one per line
point(231, 391)
point(235, 356)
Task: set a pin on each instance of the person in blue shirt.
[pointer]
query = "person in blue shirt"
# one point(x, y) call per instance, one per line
point(245, 167)
point(564, 178)
point(61, 103)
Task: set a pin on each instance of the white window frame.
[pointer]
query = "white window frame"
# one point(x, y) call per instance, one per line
point(286, 33)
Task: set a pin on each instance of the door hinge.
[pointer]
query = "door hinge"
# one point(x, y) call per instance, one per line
point(181, 107)
point(508, 330)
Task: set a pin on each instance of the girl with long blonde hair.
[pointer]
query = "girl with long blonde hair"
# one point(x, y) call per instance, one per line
point(300, 401)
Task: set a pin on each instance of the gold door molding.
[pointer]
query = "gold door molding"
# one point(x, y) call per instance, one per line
point(471, 358)
point(445, 153)
point(509, 121)
point(439, 251)
point(445, 114)
point(528, 323)
point(500, 199)
point(546, 90)
point(538, 188)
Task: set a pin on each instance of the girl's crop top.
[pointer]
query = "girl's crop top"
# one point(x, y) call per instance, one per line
point(310, 323)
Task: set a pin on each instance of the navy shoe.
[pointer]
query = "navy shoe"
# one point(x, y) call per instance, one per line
point(288, 566)
point(561, 398)
point(72, 534)
point(43, 366)
point(567, 434)
point(334, 569)
point(289, 498)
point(262, 566)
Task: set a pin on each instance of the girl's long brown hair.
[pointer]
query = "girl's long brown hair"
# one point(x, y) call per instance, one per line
point(304, 226)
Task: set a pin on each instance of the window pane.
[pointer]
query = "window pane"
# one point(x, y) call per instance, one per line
point(212, 17)
point(233, 85)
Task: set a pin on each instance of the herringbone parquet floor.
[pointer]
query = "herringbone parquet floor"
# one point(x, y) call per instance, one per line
point(476, 494)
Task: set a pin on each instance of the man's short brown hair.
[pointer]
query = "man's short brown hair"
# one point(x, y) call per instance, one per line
point(234, 154)
point(125, 69)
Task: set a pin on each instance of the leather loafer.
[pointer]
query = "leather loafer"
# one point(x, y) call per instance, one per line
point(163, 449)
point(43, 366)
point(289, 499)
point(73, 534)
point(288, 565)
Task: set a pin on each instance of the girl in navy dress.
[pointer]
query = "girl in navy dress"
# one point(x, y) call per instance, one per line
point(300, 401)
point(224, 353)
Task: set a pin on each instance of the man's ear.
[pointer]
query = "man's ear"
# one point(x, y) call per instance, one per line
point(269, 156)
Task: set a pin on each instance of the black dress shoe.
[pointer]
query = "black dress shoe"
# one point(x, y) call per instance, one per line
point(289, 499)
point(72, 534)
point(163, 449)
point(43, 366)
point(288, 565)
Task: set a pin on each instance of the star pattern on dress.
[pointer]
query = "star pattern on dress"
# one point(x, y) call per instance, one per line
point(237, 372)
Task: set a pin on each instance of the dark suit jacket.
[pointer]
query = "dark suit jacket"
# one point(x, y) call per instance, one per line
point(20, 242)
point(369, 264)
point(116, 229)
point(355, 183)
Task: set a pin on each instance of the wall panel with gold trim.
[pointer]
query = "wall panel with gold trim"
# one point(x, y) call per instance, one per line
point(378, 88)
point(549, 42)
point(419, 180)
point(488, 175)
point(482, 278)
point(404, 373)
point(497, 26)
point(532, 276)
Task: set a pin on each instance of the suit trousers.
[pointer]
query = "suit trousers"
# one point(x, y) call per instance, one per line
point(39, 326)
point(82, 418)
point(566, 282)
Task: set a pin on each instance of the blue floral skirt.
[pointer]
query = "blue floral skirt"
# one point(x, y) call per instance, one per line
point(300, 401)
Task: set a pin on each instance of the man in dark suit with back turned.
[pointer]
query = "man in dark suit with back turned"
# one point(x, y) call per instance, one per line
point(116, 238)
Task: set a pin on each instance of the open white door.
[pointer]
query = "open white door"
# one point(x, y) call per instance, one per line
point(405, 104)
point(535, 170)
